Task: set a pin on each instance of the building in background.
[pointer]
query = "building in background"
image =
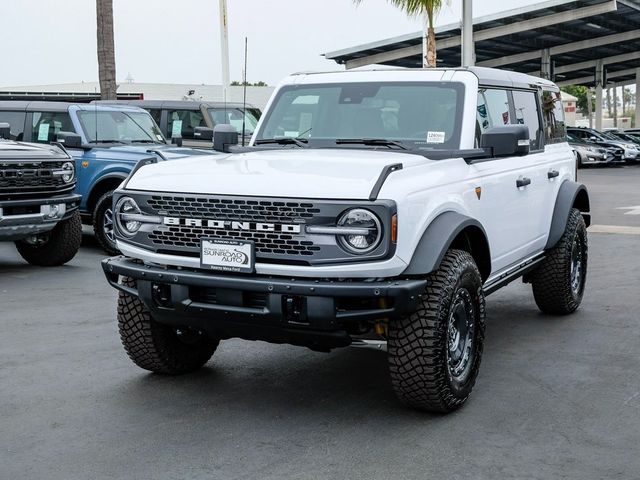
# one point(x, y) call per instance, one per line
point(87, 91)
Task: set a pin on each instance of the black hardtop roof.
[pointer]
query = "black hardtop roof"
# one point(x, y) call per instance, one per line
point(11, 150)
point(180, 104)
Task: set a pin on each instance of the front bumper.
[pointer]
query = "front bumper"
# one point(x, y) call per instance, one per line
point(310, 312)
point(39, 217)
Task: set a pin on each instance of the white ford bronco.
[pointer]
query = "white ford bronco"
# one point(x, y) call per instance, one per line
point(370, 206)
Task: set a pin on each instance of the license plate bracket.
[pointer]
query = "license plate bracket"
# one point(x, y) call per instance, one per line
point(227, 255)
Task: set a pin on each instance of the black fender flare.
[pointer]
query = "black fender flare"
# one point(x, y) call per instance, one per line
point(437, 239)
point(571, 194)
point(91, 194)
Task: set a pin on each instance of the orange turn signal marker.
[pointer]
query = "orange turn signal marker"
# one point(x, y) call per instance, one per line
point(394, 228)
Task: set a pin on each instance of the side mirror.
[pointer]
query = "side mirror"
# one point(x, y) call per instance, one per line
point(223, 137)
point(593, 139)
point(5, 131)
point(177, 140)
point(203, 133)
point(506, 140)
point(69, 139)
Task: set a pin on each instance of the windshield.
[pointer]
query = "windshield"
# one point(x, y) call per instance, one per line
point(610, 136)
point(119, 126)
point(233, 116)
point(419, 115)
point(573, 139)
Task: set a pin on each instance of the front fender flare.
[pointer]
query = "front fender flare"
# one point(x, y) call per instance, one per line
point(570, 195)
point(437, 239)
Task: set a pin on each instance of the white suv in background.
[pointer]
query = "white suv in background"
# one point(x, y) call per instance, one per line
point(371, 205)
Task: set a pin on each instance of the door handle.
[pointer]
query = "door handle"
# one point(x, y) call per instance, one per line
point(523, 182)
point(552, 174)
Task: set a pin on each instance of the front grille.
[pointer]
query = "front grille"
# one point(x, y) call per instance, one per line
point(276, 226)
point(244, 210)
point(224, 208)
point(31, 176)
point(266, 243)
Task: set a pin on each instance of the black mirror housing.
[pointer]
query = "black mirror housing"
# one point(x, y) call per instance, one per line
point(69, 139)
point(177, 140)
point(506, 140)
point(203, 133)
point(224, 136)
point(5, 131)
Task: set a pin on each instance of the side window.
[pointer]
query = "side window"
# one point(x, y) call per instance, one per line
point(46, 125)
point(16, 123)
point(553, 117)
point(184, 122)
point(155, 113)
point(526, 109)
point(492, 110)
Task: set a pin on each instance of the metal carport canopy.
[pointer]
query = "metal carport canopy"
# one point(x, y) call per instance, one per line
point(573, 33)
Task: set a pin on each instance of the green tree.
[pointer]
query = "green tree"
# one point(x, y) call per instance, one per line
point(236, 83)
point(422, 8)
point(106, 49)
point(582, 94)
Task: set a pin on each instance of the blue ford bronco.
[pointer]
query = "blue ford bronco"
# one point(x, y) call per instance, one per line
point(106, 143)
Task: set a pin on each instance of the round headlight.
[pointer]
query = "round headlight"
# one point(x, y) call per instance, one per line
point(367, 231)
point(69, 172)
point(125, 207)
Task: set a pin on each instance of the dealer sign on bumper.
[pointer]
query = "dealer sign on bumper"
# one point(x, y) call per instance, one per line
point(227, 255)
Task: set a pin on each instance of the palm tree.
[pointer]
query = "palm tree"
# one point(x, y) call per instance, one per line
point(106, 49)
point(422, 8)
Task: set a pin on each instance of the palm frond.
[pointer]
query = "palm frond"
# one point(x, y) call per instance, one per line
point(416, 8)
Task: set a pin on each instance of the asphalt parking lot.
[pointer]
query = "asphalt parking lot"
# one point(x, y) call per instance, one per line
point(555, 398)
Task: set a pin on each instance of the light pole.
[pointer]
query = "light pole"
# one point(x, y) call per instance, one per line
point(224, 48)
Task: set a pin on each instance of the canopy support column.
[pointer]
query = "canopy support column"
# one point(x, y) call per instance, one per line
point(599, 85)
point(637, 120)
point(468, 55)
point(545, 64)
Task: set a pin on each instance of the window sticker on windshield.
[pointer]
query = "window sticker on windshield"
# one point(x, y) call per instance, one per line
point(159, 137)
point(43, 132)
point(291, 134)
point(176, 128)
point(435, 137)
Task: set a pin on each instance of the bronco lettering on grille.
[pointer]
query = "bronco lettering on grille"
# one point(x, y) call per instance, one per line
point(232, 225)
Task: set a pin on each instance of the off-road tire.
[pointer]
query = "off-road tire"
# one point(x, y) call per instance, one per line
point(104, 205)
point(552, 280)
point(60, 246)
point(157, 347)
point(418, 344)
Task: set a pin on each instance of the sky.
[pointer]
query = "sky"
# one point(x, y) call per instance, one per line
point(169, 41)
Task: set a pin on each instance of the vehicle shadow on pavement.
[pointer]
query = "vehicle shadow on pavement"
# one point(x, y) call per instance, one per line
point(287, 382)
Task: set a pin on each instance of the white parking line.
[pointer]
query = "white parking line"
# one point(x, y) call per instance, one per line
point(632, 210)
point(620, 229)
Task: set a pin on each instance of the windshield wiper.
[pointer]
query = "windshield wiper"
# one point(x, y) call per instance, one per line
point(107, 141)
point(370, 141)
point(147, 141)
point(300, 142)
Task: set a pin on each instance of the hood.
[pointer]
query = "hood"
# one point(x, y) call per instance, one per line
point(294, 173)
point(135, 153)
